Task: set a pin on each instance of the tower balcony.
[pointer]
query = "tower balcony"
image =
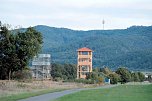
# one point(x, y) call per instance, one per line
point(84, 56)
point(40, 63)
point(84, 63)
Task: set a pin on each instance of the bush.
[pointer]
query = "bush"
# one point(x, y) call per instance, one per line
point(100, 80)
point(57, 79)
point(24, 75)
point(85, 81)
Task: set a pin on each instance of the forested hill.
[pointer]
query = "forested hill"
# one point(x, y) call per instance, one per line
point(131, 47)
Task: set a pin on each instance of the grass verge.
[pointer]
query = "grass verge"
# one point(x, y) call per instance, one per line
point(16, 97)
point(119, 93)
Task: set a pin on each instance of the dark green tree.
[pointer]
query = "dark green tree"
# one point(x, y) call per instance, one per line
point(28, 45)
point(114, 78)
point(65, 71)
point(96, 69)
point(92, 75)
point(8, 57)
point(141, 76)
point(70, 71)
point(106, 71)
point(56, 70)
point(16, 49)
point(135, 77)
point(125, 75)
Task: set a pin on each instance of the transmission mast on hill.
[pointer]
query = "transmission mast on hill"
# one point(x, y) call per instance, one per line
point(103, 22)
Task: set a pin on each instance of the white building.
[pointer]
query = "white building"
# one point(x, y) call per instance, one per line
point(147, 74)
point(41, 66)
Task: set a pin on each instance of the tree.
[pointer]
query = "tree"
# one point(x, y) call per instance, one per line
point(28, 44)
point(114, 78)
point(16, 49)
point(92, 76)
point(96, 69)
point(8, 56)
point(106, 71)
point(56, 70)
point(135, 77)
point(65, 71)
point(125, 75)
point(70, 71)
point(141, 76)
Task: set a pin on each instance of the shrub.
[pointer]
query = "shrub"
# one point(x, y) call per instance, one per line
point(100, 80)
point(24, 75)
point(57, 79)
point(85, 81)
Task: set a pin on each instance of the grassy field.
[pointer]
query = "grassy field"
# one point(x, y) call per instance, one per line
point(14, 90)
point(15, 97)
point(119, 93)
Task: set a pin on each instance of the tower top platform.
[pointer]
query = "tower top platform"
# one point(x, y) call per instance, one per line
point(84, 49)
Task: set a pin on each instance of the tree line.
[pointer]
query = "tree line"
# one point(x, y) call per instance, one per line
point(17, 48)
point(63, 71)
point(68, 72)
point(122, 75)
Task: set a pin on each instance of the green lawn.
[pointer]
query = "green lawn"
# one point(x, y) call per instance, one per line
point(16, 97)
point(119, 93)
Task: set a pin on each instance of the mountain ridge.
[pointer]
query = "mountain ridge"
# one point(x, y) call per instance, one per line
point(112, 48)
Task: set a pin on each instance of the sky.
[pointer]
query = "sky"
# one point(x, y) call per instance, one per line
point(77, 14)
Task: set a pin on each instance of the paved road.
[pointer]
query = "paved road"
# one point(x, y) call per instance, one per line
point(52, 96)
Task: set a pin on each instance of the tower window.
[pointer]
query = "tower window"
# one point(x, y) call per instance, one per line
point(84, 53)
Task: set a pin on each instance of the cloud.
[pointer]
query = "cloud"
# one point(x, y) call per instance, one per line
point(77, 14)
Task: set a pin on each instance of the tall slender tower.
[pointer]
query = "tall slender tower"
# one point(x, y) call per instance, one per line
point(103, 22)
point(84, 62)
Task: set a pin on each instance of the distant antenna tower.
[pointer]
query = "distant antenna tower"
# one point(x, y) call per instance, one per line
point(103, 22)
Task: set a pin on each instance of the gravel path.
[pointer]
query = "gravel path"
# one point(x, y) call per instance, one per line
point(52, 96)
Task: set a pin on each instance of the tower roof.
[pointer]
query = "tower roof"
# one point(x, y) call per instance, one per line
point(85, 49)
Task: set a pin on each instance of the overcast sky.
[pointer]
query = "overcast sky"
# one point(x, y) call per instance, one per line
point(77, 14)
